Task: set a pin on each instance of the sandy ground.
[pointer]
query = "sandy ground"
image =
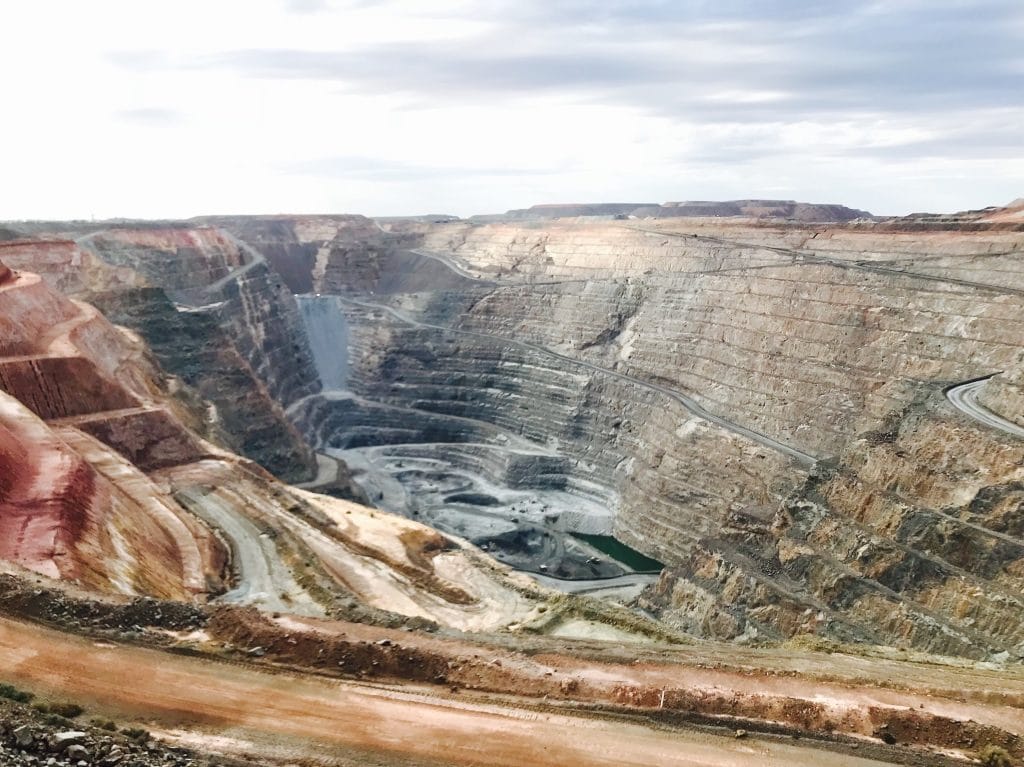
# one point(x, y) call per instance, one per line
point(846, 686)
point(312, 716)
point(495, 603)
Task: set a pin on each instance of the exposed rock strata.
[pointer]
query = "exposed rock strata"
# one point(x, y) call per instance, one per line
point(303, 248)
point(913, 538)
point(104, 486)
point(1003, 394)
point(70, 507)
point(469, 360)
point(233, 337)
point(809, 336)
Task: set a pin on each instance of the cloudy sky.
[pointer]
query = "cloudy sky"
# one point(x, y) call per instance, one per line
point(186, 107)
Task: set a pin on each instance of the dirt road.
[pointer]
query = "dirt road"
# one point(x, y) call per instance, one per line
point(312, 716)
point(964, 397)
point(263, 579)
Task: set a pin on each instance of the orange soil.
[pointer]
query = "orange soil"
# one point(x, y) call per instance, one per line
point(269, 709)
point(931, 715)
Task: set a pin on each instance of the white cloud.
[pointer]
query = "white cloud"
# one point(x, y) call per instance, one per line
point(175, 109)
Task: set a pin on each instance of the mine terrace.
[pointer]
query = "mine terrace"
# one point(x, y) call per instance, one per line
point(635, 484)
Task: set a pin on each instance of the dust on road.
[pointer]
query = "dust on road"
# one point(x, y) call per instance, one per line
point(266, 708)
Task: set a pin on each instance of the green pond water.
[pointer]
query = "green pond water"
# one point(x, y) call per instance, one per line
point(620, 552)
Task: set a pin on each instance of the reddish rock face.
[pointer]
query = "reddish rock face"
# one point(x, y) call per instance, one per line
point(77, 508)
point(150, 439)
point(67, 267)
point(60, 387)
point(45, 495)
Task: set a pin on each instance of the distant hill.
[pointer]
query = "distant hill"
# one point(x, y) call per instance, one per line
point(771, 209)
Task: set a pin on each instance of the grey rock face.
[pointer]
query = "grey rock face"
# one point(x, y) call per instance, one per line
point(809, 337)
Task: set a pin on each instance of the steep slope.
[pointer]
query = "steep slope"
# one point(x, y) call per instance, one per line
point(677, 379)
point(214, 316)
point(104, 486)
point(72, 507)
point(1003, 394)
point(911, 538)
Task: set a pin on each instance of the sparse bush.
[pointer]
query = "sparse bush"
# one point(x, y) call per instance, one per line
point(137, 734)
point(811, 643)
point(13, 693)
point(994, 756)
point(66, 710)
point(103, 724)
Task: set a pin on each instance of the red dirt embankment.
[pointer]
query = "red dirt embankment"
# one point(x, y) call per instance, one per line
point(316, 720)
point(29, 312)
point(60, 387)
point(663, 690)
point(66, 266)
point(150, 439)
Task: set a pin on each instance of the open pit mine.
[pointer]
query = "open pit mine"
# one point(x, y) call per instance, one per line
point(734, 483)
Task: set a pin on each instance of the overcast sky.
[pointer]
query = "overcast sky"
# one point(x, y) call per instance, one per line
point(177, 108)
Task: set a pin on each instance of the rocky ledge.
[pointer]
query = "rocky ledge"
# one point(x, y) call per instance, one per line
point(31, 736)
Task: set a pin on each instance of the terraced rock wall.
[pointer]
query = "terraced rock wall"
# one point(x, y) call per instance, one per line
point(575, 334)
point(215, 315)
point(627, 447)
point(205, 267)
point(65, 266)
point(303, 248)
point(912, 538)
point(806, 348)
point(71, 506)
point(179, 259)
point(195, 347)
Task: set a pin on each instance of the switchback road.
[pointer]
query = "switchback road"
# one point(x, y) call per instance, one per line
point(964, 397)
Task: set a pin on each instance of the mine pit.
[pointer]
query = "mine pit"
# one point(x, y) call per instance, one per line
point(736, 483)
point(520, 528)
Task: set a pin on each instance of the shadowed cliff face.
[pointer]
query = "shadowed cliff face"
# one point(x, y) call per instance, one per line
point(215, 316)
point(790, 341)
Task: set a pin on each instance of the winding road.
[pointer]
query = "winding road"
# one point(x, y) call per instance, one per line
point(964, 397)
point(592, 585)
point(255, 259)
point(263, 579)
point(451, 264)
point(687, 402)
